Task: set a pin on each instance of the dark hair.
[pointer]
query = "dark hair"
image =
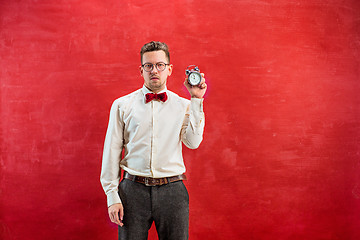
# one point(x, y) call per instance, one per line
point(155, 46)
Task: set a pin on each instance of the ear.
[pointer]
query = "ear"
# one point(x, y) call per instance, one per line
point(141, 71)
point(170, 70)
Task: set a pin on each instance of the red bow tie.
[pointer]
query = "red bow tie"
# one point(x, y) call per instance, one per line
point(151, 96)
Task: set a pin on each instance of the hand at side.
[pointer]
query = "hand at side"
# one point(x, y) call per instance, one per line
point(116, 213)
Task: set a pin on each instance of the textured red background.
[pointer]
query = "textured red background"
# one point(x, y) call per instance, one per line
point(281, 154)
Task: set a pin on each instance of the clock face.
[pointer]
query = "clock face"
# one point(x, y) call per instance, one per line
point(194, 78)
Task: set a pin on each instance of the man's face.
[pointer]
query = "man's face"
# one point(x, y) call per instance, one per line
point(155, 80)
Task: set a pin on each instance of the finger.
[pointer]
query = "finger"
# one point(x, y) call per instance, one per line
point(121, 213)
point(203, 85)
point(115, 216)
point(112, 216)
point(121, 216)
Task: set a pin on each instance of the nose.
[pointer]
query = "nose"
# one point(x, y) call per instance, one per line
point(154, 69)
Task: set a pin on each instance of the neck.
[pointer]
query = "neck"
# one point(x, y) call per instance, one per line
point(155, 90)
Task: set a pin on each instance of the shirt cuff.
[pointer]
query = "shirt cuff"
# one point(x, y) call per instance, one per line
point(197, 104)
point(113, 198)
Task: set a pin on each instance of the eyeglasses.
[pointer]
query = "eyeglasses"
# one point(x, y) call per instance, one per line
point(160, 66)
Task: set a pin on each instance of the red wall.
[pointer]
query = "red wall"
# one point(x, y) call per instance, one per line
point(281, 154)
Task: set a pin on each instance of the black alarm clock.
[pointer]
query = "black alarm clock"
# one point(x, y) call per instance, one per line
point(193, 75)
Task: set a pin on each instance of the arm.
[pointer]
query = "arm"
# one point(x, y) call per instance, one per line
point(193, 126)
point(110, 170)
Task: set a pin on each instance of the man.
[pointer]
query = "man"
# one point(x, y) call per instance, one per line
point(150, 125)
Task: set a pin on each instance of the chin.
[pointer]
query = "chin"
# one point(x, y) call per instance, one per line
point(157, 87)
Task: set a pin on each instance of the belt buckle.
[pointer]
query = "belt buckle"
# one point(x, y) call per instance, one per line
point(147, 182)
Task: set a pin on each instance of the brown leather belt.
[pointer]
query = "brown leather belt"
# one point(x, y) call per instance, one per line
point(148, 181)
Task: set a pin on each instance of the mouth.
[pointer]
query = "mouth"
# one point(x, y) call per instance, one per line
point(154, 78)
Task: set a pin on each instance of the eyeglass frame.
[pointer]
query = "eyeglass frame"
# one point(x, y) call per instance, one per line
point(156, 64)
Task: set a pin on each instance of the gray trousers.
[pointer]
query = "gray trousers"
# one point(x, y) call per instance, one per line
point(166, 205)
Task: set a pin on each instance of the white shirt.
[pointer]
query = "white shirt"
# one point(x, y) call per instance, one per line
point(151, 135)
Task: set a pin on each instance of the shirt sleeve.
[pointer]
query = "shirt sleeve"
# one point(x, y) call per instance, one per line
point(110, 169)
point(194, 123)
